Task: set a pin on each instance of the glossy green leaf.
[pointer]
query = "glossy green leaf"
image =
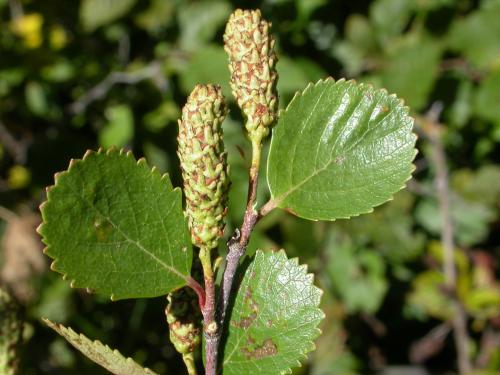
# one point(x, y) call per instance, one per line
point(340, 149)
point(274, 319)
point(96, 13)
point(116, 227)
point(103, 355)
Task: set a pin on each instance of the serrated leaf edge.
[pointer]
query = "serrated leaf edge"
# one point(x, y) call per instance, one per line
point(406, 110)
point(101, 151)
point(70, 335)
point(303, 268)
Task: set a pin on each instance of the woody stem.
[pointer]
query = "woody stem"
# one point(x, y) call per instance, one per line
point(237, 246)
point(208, 311)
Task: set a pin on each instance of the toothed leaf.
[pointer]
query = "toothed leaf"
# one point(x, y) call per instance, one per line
point(340, 149)
point(103, 355)
point(113, 225)
point(274, 319)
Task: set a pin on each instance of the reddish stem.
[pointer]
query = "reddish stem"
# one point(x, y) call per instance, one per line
point(210, 328)
point(198, 289)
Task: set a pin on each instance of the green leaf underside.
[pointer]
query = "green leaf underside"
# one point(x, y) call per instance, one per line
point(103, 355)
point(275, 317)
point(340, 149)
point(113, 225)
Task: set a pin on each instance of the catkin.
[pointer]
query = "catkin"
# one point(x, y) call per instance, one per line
point(204, 164)
point(252, 63)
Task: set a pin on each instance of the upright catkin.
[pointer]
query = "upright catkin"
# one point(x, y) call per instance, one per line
point(252, 63)
point(204, 164)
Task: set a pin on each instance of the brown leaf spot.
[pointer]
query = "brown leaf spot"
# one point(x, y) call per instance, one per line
point(267, 349)
point(246, 321)
point(339, 159)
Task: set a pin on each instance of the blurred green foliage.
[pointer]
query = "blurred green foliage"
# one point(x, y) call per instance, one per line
point(78, 75)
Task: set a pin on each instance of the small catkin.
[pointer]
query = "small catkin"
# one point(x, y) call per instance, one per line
point(10, 333)
point(252, 63)
point(204, 164)
point(183, 318)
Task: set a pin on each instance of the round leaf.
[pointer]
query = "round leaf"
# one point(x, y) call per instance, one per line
point(340, 149)
point(116, 227)
point(274, 319)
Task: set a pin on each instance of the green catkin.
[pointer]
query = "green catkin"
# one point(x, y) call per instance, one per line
point(10, 333)
point(252, 63)
point(184, 323)
point(204, 164)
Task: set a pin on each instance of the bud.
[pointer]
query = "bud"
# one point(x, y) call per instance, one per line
point(252, 63)
point(184, 320)
point(10, 333)
point(204, 164)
